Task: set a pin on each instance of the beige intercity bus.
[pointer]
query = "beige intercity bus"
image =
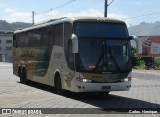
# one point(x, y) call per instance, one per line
point(75, 54)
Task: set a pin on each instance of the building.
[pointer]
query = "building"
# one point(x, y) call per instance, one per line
point(6, 40)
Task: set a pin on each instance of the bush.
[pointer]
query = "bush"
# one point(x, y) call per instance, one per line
point(157, 66)
point(141, 64)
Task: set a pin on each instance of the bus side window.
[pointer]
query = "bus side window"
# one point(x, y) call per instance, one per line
point(70, 54)
point(68, 44)
point(59, 35)
point(34, 38)
point(48, 36)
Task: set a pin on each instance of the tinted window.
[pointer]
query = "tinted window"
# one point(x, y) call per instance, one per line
point(35, 37)
point(101, 30)
point(59, 34)
point(22, 40)
point(68, 44)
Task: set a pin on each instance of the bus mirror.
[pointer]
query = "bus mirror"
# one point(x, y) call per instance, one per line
point(137, 44)
point(74, 44)
point(131, 37)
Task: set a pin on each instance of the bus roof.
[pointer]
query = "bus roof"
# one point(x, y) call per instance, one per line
point(71, 20)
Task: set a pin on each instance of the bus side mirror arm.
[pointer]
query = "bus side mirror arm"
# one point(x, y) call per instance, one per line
point(138, 44)
point(130, 37)
point(74, 39)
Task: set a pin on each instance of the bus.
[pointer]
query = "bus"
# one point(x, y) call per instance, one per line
point(77, 54)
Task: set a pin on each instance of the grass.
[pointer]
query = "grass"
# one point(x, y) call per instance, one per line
point(141, 65)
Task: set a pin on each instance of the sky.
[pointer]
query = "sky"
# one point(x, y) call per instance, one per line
point(133, 12)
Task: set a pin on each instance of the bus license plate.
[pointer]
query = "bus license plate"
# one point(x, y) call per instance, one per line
point(106, 87)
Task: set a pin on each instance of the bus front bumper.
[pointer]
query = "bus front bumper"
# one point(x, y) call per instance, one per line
point(102, 87)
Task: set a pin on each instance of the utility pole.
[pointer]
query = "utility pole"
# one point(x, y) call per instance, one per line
point(33, 13)
point(105, 8)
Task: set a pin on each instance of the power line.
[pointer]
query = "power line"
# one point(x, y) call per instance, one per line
point(63, 5)
point(111, 2)
point(58, 7)
point(142, 15)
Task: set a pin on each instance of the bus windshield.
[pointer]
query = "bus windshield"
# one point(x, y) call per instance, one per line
point(101, 30)
point(100, 52)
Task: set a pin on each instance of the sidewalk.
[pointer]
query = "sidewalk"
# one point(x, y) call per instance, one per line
point(155, 74)
point(147, 71)
point(5, 64)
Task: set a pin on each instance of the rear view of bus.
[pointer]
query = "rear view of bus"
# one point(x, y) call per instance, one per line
point(102, 55)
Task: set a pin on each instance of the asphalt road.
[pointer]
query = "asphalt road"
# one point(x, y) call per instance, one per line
point(144, 94)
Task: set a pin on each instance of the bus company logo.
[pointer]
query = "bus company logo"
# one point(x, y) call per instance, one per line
point(27, 54)
point(96, 76)
point(6, 111)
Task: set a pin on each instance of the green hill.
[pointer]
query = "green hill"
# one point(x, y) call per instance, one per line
point(145, 29)
point(142, 29)
point(5, 26)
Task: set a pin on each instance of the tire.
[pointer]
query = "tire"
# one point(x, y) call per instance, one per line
point(19, 72)
point(104, 93)
point(23, 77)
point(58, 85)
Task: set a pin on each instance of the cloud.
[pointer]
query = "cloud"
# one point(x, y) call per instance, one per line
point(121, 17)
point(17, 16)
point(56, 14)
point(12, 15)
point(88, 13)
point(1, 5)
point(9, 10)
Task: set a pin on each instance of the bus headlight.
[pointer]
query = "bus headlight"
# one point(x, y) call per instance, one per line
point(126, 79)
point(84, 80)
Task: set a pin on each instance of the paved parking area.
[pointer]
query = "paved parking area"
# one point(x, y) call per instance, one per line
point(144, 94)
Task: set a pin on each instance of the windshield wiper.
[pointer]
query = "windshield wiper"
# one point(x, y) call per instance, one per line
point(100, 59)
point(114, 59)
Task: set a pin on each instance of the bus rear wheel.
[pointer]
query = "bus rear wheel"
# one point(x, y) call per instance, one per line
point(23, 77)
point(58, 85)
point(19, 71)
